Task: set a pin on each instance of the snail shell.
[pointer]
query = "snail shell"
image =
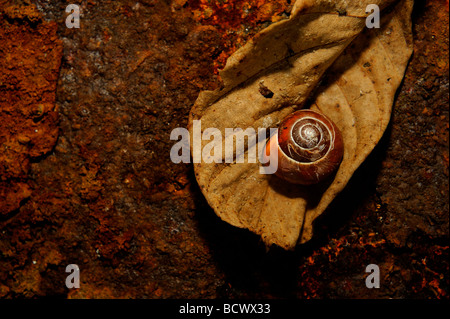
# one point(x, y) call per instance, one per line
point(309, 148)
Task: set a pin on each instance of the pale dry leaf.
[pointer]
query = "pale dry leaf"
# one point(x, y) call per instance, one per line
point(363, 69)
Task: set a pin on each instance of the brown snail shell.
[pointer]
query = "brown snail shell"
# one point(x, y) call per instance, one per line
point(309, 148)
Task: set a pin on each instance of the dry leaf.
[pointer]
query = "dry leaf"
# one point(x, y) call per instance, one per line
point(362, 69)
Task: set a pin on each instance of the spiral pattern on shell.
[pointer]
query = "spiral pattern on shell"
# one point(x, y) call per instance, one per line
point(310, 147)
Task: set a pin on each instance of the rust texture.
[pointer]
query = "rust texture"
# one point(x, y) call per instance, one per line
point(107, 197)
point(30, 55)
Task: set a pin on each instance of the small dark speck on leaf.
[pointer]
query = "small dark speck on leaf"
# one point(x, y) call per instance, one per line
point(342, 12)
point(264, 90)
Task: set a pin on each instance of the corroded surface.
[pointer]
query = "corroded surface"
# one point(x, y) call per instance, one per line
point(30, 56)
point(108, 198)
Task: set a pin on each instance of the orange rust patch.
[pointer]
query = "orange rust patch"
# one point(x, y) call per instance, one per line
point(29, 68)
point(238, 20)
